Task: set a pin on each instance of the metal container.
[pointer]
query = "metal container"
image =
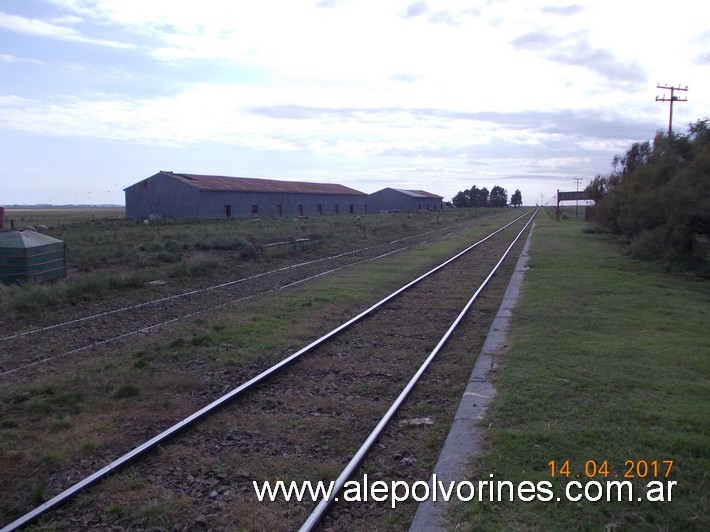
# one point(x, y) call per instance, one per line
point(31, 256)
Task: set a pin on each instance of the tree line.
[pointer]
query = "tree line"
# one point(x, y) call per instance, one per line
point(658, 195)
point(481, 197)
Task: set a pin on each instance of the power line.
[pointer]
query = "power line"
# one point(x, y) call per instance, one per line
point(672, 99)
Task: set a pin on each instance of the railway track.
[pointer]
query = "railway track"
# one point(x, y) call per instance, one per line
point(306, 422)
point(19, 352)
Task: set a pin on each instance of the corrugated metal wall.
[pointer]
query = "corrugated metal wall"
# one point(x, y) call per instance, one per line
point(160, 195)
point(216, 204)
point(390, 199)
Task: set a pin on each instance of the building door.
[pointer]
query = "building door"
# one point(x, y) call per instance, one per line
point(300, 210)
point(279, 210)
point(228, 211)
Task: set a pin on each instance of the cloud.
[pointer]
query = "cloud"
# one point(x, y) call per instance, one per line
point(703, 45)
point(535, 41)
point(600, 61)
point(444, 17)
point(299, 112)
point(515, 128)
point(575, 50)
point(66, 19)
point(405, 78)
point(31, 26)
point(423, 136)
point(572, 9)
point(6, 58)
point(416, 9)
point(567, 124)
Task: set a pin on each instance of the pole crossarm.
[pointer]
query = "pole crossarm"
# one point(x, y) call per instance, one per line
point(673, 98)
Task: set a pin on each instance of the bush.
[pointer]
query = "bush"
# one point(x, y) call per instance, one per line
point(648, 245)
point(659, 195)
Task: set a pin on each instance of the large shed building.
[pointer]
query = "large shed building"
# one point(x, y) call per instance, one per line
point(395, 199)
point(173, 195)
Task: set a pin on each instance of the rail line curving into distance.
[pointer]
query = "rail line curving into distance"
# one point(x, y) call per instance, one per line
point(320, 510)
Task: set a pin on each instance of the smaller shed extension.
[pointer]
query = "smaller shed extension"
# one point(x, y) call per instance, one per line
point(396, 199)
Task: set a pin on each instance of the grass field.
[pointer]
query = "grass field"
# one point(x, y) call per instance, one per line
point(606, 371)
point(107, 254)
point(57, 216)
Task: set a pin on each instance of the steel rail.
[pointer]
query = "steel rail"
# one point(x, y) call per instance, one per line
point(183, 294)
point(320, 509)
point(125, 459)
point(203, 310)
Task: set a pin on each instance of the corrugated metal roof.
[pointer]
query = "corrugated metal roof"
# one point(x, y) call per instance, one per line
point(417, 193)
point(251, 184)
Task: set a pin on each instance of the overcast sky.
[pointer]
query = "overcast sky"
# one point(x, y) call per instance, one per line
point(439, 95)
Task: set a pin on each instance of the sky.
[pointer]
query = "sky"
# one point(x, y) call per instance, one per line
point(435, 95)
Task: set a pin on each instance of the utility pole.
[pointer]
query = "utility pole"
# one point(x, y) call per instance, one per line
point(577, 180)
point(672, 99)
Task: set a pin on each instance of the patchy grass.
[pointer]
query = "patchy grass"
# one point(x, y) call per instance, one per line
point(125, 391)
point(90, 447)
point(608, 363)
point(153, 512)
point(106, 254)
point(115, 511)
point(60, 424)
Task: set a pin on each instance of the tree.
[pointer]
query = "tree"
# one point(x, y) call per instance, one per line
point(460, 200)
point(478, 197)
point(473, 196)
point(517, 199)
point(498, 197)
point(597, 188)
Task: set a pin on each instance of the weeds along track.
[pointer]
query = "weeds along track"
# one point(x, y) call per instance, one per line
point(20, 350)
point(305, 421)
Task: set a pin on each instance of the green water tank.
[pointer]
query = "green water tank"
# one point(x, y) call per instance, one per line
point(31, 256)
